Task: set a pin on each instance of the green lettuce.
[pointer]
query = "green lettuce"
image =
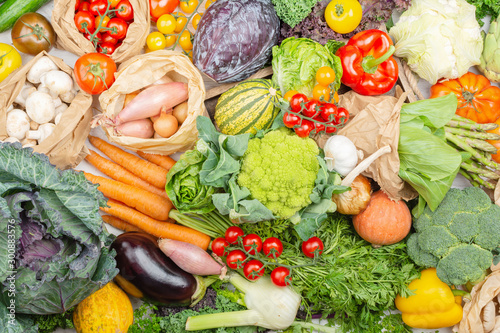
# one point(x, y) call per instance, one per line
point(52, 217)
point(296, 61)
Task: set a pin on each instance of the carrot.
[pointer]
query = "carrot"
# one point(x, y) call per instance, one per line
point(145, 170)
point(120, 224)
point(157, 228)
point(117, 172)
point(146, 202)
point(164, 161)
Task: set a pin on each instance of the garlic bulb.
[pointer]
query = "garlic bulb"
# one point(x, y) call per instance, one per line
point(341, 154)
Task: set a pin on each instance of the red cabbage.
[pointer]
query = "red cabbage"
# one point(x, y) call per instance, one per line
point(234, 39)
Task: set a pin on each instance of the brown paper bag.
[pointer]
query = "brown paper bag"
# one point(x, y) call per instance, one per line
point(65, 147)
point(70, 39)
point(143, 70)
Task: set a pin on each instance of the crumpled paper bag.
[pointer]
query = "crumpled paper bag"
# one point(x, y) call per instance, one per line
point(65, 147)
point(141, 71)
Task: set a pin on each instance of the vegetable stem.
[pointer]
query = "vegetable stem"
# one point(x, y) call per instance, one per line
point(364, 164)
point(472, 134)
point(483, 172)
point(480, 144)
point(317, 327)
point(464, 146)
point(224, 319)
point(469, 126)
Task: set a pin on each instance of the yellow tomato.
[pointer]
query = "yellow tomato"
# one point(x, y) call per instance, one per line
point(196, 19)
point(289, 94)
point(343, 16)
point(208, 3)
point(325, 75)
point(156, 41)
point(170, 40)
point(113, 3)
point(321, 92)
point(10, 60)
point(185, 41)
point(188, 6)
point(166, 24)
point(181, 21)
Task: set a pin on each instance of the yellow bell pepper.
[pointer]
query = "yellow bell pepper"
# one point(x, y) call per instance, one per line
point(433, 306)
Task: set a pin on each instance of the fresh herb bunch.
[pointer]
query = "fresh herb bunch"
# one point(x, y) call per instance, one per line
point(49, 323)
point(484, 8)
point(352, 281)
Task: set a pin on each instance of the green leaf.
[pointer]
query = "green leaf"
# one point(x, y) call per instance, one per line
point(311, 218)
point(434, 112)
point(15, 323)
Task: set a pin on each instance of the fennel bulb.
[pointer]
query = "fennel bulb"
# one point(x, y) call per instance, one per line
point(438, 38)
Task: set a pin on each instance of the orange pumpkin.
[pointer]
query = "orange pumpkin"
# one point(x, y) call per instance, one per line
point(108, 310)
point(384, 221)
point(496, 143)
point(478, 100)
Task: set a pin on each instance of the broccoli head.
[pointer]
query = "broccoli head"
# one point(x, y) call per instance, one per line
point(458, 237)
point(280, 170)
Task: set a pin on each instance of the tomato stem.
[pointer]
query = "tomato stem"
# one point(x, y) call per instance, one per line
point(3, 56)
point(185, 26)
point(97, 72)
point(37, 31)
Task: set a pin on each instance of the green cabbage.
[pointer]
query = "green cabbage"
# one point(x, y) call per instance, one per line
point(51, 237)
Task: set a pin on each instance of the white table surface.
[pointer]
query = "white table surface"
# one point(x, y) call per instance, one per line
point(70, 60)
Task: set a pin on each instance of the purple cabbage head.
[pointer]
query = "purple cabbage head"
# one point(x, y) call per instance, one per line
point(235, 38)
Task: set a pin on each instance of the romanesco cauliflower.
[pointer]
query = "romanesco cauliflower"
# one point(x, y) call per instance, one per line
point(280, 170)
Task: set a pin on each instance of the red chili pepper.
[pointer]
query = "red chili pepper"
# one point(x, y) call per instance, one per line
point(367, 62)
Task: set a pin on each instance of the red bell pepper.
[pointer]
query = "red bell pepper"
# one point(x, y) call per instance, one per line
point(367, 62)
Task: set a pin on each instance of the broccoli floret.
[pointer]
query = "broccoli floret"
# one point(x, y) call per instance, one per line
point(467, 261)
point(280, 170)
point(458, 237)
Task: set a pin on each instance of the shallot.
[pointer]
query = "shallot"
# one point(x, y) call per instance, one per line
point(142, 128)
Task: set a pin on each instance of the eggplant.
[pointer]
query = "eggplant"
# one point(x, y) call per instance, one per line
point(146, 272)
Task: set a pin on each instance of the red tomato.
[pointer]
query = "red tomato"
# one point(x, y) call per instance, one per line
point(125, 10)
point(304, 129)
point(97, 37)
point(98, 7)
point(342, 116)
point(77, 4)
point(107, 48)
point(85, 22)
point(280, 276)
point(84, 6)
point(253, 269)
point(159, 7)
point(236, 259)
point(252, 243)
point(331, 127)
point(312, 247)
point(297, 101)
point(312, 108)
point(94, 72)
point(272, 247)
point(107, 38)
point(290, 119)
point(319, 127)
point(219, 246)
point(328, 111)
point(233, 233)
point(119, 27)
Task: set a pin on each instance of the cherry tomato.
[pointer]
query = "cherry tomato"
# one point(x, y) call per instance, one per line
point(107, 38)
point(328, 111)
point(236, 259)
point(185, 41)
point(336, 97)
point(253, 270)
point(272, 247)
point(219, 246)
point(114, 3)
point(84, 6)
point(170, 40)
point(252, 243)
point(188, 6)
point(342, 116)
point(304, 129)
point(156, 41)
point(343, 16)
point(85, 22)
point(119, 27)
point(313, 108)
point(233, 233)
point(313, 246)
point(166, 24)
point(104, 23)
point(77, 4)
point(297, 101)
point(321, 92)
point(331, 127)
point(196, 20)
point(208, 3)
point(125, 10)
point(32, 33)
point(97, 37)
point(94, 72)
point(107, 48)
point(181, 21)
point(280, 276)
point(319, 126)
point(158, 8)
point(289, 94)
point(325, 75)
point(98, 7)
point(291, 119)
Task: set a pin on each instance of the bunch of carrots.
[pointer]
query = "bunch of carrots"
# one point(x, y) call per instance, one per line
point(137, 200)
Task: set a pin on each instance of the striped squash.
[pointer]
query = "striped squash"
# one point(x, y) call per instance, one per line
point(247, 107)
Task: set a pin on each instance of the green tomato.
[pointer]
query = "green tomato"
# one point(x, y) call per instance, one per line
point(10, 60)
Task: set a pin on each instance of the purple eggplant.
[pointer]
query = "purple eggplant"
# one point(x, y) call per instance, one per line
point(145, 270)
point(234, 39)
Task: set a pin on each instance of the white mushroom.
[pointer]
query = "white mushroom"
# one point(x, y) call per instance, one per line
point(57, 101)
point(11, 139)
point(57, 118)
point(28, 143)
point(69, 96)
point(61, 108)
point(40, 107)
point(57, 81)
point(17, 124)
point(44, 89)
point(34, 125)
point(42, 133)
point(42, 66)
point(26, 90)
